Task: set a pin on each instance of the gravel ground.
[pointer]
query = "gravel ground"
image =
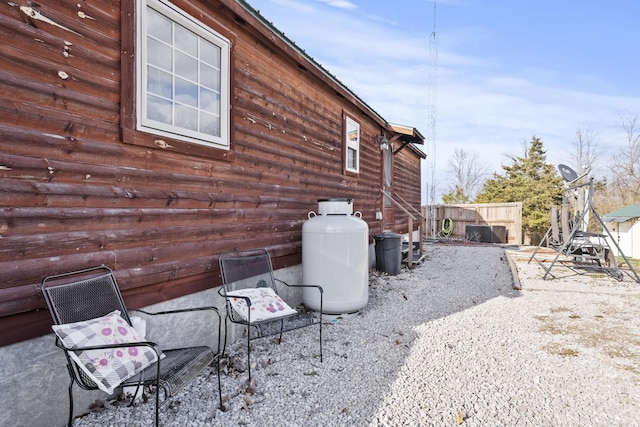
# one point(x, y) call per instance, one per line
point(448, 343)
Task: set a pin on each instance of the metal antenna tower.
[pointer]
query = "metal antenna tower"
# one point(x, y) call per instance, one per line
point(432, 99)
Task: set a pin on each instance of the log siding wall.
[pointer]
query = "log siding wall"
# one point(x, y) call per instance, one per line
point(79, 187)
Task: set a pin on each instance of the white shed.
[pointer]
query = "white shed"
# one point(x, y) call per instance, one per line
point(624, 225)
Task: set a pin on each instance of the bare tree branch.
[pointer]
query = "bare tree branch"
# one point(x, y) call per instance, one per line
point(467, 171)
point(625, 169)
point(586, 150)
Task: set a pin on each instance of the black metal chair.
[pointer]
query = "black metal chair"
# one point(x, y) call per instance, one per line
point(252, 299)
point(93, 294)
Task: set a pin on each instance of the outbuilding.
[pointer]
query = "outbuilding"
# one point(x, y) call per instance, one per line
point(624, 225)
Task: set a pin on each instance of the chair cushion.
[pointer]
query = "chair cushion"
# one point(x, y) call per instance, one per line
point(108, 368)
point(265, 304)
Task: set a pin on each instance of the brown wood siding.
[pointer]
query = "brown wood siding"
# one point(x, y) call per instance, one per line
point(406, 184)
point(73, 194)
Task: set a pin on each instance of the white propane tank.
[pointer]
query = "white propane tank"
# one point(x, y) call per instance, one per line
point(335, 250)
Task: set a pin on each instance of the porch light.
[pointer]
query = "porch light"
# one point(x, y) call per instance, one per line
point(384, 143)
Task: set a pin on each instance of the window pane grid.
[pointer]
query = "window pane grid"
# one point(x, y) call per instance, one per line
point(184, 79)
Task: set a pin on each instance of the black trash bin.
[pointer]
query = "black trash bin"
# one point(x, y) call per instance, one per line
point(388, 252)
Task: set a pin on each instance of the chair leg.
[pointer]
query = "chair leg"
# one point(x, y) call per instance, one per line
point(320, 314)
point(158, 394)
point(249, 351)
point(220, 356)
point(281, 330)
point(320, 337)
point(135, 393)
point(70, 422)
point(226, 328)
point(219, 385)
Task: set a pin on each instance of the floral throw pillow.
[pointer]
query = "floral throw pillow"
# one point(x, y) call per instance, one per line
point(108, 368)
point(265, 304)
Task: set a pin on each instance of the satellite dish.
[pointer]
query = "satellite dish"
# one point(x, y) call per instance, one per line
point(567, 173)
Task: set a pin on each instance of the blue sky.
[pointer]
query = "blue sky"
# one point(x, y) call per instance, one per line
point(506, 69)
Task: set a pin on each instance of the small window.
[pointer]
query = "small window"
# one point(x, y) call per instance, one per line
point(183, 76)
point(387, 155)
point(352, 145)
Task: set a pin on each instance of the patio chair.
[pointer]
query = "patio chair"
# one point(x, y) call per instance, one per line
point(253, 298)
point(102, 348)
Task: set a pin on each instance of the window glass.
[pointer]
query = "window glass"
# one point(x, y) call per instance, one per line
point(352, 158)
point(159, 109)
point(159, 26)
point(210, 122)
point(159, 83)
point(209, 77)
point(159, 55)
point(186, 67)
point(210, 53)
point(186, 92)
point(388, 165)
point(387, 154)
point(186, 41)
point(210, 101)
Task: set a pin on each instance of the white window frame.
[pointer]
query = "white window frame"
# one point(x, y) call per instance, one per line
point(352, 142)
point(145, 124)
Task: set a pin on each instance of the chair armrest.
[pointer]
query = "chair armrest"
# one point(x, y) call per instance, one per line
point(158, 322)
point(177, 311)
point(108, 346)
point(180, 310)
point(226, 296)
point(300, 286)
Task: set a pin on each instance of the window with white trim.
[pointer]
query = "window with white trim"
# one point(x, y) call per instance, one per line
point(387, 157)
point(352, 145)
point(182, 76)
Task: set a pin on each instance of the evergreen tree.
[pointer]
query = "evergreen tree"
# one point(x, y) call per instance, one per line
point(530, 180)
point(456, 196)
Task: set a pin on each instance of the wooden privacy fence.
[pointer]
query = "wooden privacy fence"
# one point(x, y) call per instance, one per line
point(508, 215)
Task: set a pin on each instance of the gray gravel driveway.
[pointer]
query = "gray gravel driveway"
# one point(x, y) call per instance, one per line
point(448, 343)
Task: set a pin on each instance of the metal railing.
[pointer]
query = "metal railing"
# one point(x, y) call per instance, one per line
point(412, 218)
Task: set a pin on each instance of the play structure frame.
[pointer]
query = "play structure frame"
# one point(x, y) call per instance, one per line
point(580, 248)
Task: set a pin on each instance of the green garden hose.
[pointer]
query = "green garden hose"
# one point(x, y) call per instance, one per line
point(447, 227)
